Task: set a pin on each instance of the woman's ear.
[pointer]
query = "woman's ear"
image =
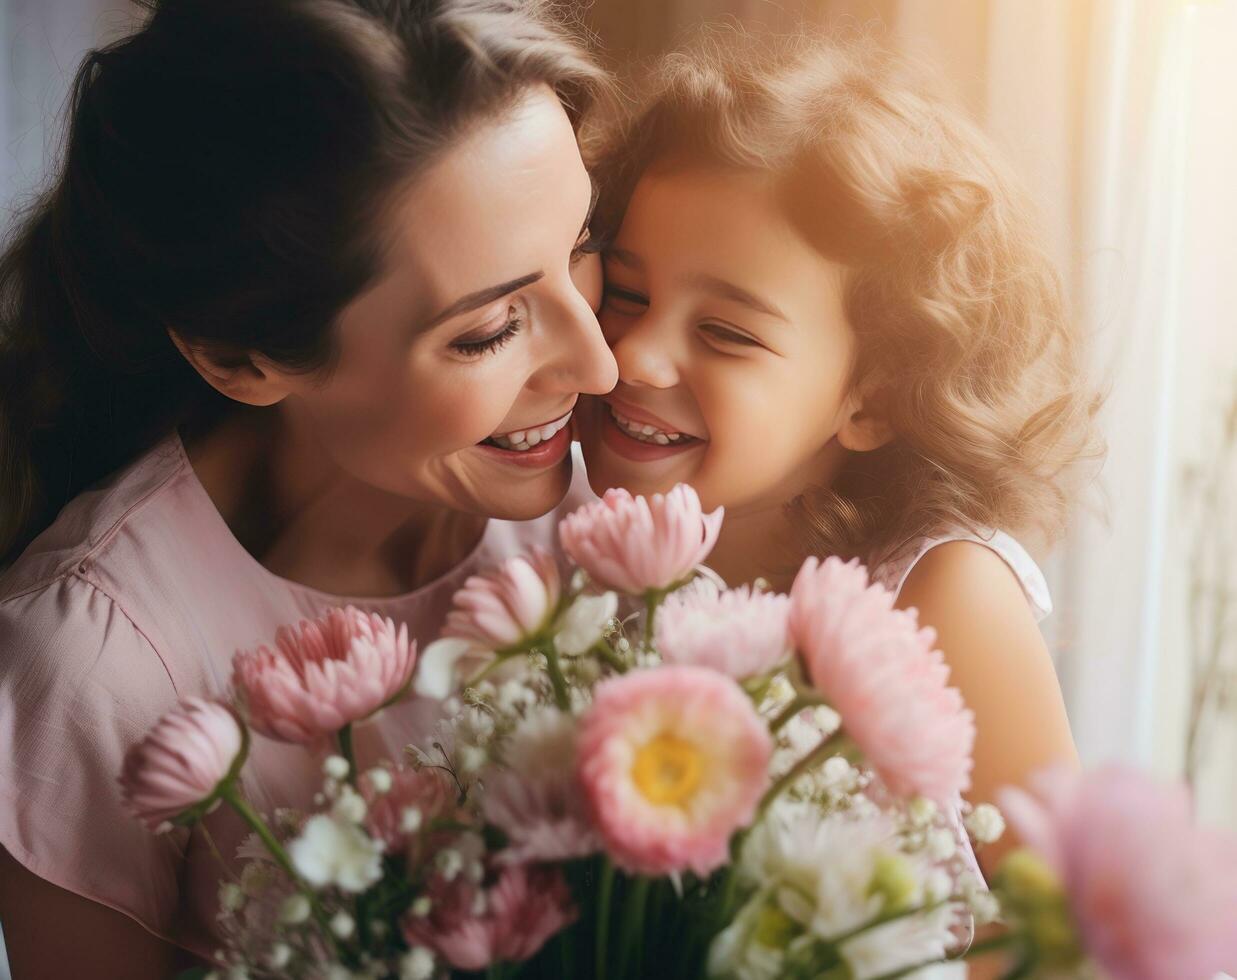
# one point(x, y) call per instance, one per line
point(253, 380)
point(862, 429)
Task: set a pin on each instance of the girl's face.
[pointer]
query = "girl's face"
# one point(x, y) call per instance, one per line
point(733, 351)
point(480, 334)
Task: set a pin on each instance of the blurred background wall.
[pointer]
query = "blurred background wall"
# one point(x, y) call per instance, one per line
point(1122, 118)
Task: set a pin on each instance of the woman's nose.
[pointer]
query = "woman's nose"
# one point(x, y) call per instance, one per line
point(580, 360)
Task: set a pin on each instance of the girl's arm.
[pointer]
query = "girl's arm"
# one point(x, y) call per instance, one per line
point(52, 933)
point(999, 661)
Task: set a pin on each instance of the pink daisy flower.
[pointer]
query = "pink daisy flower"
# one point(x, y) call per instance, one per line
point(673, 760)
point(181, 762)
point(329, 673)
point(879, 671)
point(1153, 895)
point(634, 544)
point(738, 632)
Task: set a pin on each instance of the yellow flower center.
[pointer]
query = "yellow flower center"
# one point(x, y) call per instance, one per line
point(667, 770)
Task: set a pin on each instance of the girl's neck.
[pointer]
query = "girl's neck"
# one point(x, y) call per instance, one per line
point(758, 543)
point(307, 520)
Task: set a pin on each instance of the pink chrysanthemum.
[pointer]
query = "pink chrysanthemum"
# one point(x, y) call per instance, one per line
point(332, 672)
point(673, 760)
point(513, 919)
point(633, 544)
point(1152, 894)
point(508, 604)
point(534, 797)
point(181, 762)
point(738, 632)
point(880, 672)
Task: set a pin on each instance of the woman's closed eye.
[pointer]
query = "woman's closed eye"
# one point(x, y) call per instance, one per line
point(492, 341)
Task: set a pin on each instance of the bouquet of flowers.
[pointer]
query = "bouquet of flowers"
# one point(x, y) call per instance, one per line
point(640, 772)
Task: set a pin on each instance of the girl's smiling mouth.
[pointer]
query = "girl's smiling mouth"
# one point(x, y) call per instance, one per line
point(638, 435)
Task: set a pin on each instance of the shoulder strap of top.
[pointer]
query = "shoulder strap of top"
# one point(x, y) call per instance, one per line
point(893, 573)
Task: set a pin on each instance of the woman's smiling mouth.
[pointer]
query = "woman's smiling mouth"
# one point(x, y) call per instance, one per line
point(536, 447)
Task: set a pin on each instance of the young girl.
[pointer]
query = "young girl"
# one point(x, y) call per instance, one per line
point(831, 315)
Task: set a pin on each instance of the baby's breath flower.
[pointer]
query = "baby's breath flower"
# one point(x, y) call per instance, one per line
point(922, 811)
point(335, 767)
point(380, 779)
point(942, 844)
point(421, 907)
point(409, 820)
point(985, 823)
point(231, 897)
point(471, 758)
point(350, 807)
point(449, 862)
point(343, 925)
point(416, 964)
point(294, 910)
point(279, 956)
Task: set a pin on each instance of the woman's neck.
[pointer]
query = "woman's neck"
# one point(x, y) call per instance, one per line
point(307, 520)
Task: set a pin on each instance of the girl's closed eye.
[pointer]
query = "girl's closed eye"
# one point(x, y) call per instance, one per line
point(493, 340)
point(624, 301)
point(723, 335)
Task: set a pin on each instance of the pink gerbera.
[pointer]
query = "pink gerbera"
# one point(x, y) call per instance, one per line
point(882, 674)
point(634, 544)
point(329, 673)
point(673, 760)
point(1153, 895)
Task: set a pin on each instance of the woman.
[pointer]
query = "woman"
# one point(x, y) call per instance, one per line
point(304, 310)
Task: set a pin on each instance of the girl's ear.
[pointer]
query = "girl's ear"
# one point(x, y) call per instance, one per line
point(863, 430)
point(251, 379)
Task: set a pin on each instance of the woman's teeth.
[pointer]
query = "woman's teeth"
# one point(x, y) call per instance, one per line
point(525, 439)
point(647, 433)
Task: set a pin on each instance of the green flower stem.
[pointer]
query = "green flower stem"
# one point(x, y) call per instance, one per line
point(607, 654)
point(652, 599)
point(557, 680)
point(800, 702)
point(634, 905)
point(603, 919)
point(241, 806)
point(345, 749)
point(828, 746)
point(247, 813)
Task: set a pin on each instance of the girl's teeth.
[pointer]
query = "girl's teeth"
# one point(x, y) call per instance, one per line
point(533, 437)
point(516, 437)
point(646, 433)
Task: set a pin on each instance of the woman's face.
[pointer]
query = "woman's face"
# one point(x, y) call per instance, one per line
point(733, 350)
point(460, 366)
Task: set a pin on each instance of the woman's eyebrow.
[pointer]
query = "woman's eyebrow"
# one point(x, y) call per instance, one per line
point(478, 299)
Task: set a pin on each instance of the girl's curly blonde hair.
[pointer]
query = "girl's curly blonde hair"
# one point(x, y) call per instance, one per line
point(963, 344)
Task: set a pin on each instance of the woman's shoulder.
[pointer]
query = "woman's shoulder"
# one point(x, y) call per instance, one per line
point(969, 561)
point(85, 527)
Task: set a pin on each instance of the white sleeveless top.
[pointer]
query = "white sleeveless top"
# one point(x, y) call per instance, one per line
point(893, 572)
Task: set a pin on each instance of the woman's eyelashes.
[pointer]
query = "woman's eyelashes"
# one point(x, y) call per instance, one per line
point(495, 341)
point(720, 333)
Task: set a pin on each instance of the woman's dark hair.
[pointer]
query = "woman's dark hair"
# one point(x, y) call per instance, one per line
point(223, 171)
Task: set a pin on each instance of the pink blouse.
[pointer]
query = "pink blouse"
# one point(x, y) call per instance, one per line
point(136, 596)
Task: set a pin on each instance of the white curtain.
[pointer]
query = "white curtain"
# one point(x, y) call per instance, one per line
point(1119, 115)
